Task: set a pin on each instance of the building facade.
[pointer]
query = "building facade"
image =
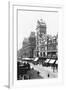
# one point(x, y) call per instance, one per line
point(41, 39)
point(26, 48)
point(52, 45)
point(46, 45)
point(29, 45)
point(32, 41)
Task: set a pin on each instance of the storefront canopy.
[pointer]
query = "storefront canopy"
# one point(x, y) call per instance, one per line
point(36, 59)
point(51, 61)
point(27, 59)
point(57, 62)
point(47, 60)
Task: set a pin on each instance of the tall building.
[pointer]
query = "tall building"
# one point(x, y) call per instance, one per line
point(52, 46)
point(41, 39)
point(28, 46)
point(32, 41)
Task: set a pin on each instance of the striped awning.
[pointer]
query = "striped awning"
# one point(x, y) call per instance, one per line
point(52, 61)
point(47, 60)
point(36, 59)
point(57, 62)
point(27, 58)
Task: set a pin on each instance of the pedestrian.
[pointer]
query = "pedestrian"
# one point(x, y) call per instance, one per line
point(48, 75)
point(38, 73)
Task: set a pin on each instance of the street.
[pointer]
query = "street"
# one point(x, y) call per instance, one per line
point(28, 70)
point(45, 72)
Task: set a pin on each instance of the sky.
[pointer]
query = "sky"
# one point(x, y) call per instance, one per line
point(27, 22)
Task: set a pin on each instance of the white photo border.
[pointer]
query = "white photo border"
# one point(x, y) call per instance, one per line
point(13, 36)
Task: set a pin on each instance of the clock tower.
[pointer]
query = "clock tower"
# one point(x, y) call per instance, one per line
point(41, 39)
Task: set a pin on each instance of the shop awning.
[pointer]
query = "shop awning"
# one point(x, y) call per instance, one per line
point(56, 62)
point(51, 61)
point(47, 60)
point(27, 59)
point(36, 59)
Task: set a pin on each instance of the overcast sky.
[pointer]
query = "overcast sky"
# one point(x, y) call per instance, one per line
point(27, 22)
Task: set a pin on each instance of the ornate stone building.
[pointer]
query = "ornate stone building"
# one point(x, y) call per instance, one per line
point(41, 39)
point(29, 45)
point(52, 45)
point(26, 48)
point(46, 45)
